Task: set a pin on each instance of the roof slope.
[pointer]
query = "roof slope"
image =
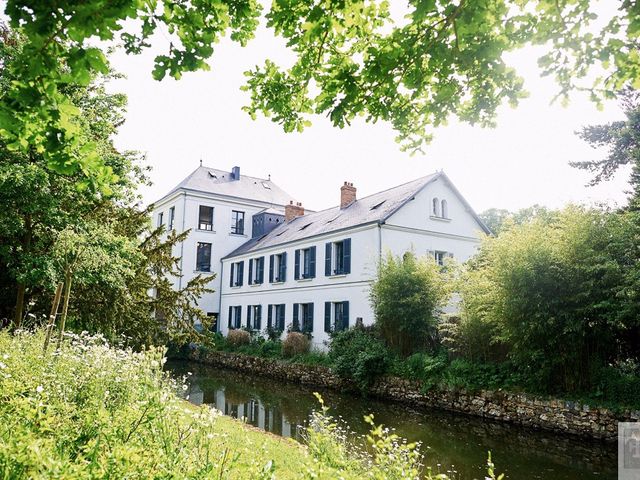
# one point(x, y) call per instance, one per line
point(374, 208)
point(219, 182)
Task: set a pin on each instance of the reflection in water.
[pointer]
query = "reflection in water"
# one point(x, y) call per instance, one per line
point(454, 443)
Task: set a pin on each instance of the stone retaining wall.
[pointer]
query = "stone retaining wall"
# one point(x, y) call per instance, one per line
point(548, 414)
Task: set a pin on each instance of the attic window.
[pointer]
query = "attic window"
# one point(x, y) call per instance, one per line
point(305, 226)
point(213, 175)
point(266, 185)
point(377, 205)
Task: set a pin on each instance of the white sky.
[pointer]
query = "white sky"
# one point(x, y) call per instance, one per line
point(521, 162)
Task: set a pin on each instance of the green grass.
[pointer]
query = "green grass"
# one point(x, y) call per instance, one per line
point(93, 411)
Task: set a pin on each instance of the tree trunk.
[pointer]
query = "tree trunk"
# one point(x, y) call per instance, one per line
point(17, 321)
point(65, 308)
point(52, 316)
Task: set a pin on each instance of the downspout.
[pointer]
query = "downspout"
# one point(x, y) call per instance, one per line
point(379, 242)
point(219, 322)
point(184, 208)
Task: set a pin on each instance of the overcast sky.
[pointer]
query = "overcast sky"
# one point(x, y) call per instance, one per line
point(525, 160)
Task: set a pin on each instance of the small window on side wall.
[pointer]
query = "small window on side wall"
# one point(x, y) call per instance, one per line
point(205, 218)
point(435, 207)
point(444, 209)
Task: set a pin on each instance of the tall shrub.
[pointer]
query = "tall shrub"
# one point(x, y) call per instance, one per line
point(406, 297)
point(561, 295)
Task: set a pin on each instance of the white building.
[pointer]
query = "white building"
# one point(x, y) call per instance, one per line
point(218, 208)
point(312, 272)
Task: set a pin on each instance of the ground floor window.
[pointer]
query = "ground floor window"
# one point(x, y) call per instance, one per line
point(275, 317)
point(336, 316)
point(254, 317)
point(235, 317)
point(303, 317)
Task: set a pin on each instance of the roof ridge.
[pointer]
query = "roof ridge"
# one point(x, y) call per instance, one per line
point(241, 175)
point(376, 193)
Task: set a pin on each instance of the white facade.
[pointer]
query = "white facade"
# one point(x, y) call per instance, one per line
point(187, 199)
point(426, 217)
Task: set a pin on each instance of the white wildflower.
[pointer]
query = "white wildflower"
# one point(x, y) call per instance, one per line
point(39, 389)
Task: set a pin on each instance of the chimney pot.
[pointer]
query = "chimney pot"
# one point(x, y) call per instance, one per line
point(347, 194)
point(235, 173)
point(292, 211)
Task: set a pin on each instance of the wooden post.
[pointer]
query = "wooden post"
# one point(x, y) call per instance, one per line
point(17, 321)
point(52, 316)
point(65, 308)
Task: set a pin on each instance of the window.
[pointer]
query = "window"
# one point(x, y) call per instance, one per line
point(278, 267)
point(336, 316)
point(338, 258)
point(275, 317)
point(205, 218)
point(203, 257)
point(235, 317)
point(305, 263)
point(213, 318)
point(237, 222)
point(440, 256)
point(444, 209)
point(302, 317)
point(160, 219)
point(254, 317)
point(256, 271)
point(236, 278)
point(172, 217)
point(435, 208)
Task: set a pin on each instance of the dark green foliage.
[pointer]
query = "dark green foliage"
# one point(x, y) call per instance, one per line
point(358, 354)
point(406, 297)
point(622, 139)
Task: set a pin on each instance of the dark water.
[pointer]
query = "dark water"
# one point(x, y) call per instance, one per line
point(452, 443)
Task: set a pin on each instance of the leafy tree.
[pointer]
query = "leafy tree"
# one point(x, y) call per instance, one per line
point(561, 295)
point(352, 59)
point(45, 214)
point(406, 297)
point(622, 138)
point(498, 219)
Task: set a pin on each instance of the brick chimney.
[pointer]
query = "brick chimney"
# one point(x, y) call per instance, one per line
point(292, 211)
point(347, 194)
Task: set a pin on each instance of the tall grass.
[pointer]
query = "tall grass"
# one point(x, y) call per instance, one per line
point(94, 411)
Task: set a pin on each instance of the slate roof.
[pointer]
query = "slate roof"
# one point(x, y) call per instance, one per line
point(374, 208)
point(219, 182)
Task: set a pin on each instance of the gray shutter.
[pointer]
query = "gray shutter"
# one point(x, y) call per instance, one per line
point(345, 315)
point(261, 270)
point(309, 326)
point(296, 272)
point(283, 268)
point(296, 319)
point(269, 316)
point(272, 261)
point(346, 255)
point(233, 265)
point(239, 317)
point(258, 320)
point(241, 273)
point(281, 318)
point(230, 325)
point(249, 317)
point(327, 317)
point(327, 259)
point(312, 262)
point(250, 281)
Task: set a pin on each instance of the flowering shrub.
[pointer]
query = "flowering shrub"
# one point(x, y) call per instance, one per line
point(236, 338)
point(295, 344)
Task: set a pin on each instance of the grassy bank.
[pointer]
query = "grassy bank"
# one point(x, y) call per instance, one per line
point(94, 411)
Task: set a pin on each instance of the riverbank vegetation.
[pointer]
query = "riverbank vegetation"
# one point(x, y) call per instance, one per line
point(91, 410)
point(550, 306)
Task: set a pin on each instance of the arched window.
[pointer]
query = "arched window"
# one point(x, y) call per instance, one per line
point(435, 210)
point(445, 209)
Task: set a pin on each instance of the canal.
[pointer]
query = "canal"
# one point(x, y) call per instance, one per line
point(451, 443)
